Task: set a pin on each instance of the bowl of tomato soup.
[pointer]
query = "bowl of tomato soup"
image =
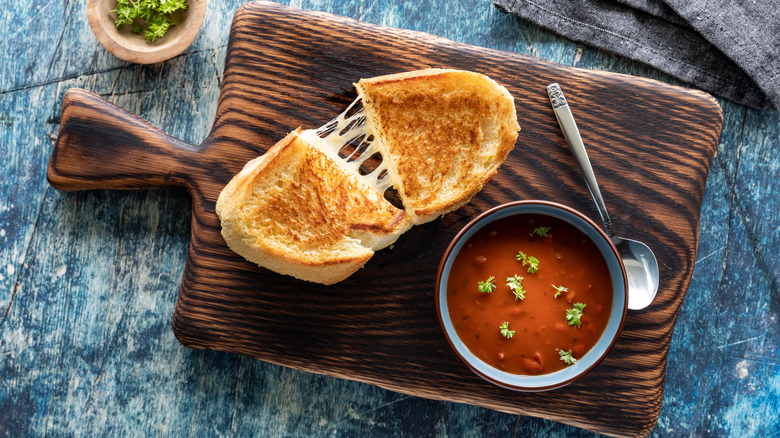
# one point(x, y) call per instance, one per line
point(531, 295)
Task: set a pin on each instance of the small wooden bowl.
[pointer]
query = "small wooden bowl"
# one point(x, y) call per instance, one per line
point(125, 44)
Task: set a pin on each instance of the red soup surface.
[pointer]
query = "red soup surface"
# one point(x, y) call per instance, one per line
point(524, 328)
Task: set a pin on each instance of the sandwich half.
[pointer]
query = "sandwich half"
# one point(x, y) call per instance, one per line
point(304, 210)
point(444, 132)
point(296, 211)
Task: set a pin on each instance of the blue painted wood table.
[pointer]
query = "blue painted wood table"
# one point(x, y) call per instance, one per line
point(89, 280)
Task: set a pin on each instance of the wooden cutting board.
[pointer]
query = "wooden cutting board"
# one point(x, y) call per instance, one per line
point(651, 145)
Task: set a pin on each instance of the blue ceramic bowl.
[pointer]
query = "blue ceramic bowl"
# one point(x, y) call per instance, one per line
point(542, 382)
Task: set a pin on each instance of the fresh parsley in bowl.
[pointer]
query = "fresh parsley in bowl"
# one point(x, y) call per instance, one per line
point(146, 31)
point(152, 18)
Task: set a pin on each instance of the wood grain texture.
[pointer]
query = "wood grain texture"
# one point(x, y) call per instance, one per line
point(651, 144)
point(89, 279)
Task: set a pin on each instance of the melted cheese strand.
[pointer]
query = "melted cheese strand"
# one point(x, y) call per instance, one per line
point(349, 128)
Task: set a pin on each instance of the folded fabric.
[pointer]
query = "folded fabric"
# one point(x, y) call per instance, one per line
point(730, 48)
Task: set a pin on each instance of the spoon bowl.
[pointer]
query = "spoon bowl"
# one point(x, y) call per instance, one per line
point(641, 271)
point(639, 261)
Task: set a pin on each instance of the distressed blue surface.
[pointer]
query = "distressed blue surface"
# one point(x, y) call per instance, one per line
point(88, 281)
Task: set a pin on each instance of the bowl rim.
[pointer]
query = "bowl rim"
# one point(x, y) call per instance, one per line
point(480, 221)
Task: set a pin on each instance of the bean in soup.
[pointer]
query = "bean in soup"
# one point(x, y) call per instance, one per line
point(529, 294)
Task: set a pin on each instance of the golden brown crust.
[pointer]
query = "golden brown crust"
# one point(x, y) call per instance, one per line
point(445, 133)
point(295, 212)
point(299, 211)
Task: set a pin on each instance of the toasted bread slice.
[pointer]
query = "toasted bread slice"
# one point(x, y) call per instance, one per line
point(444, 133)
point(302, 210)
point(295, 211)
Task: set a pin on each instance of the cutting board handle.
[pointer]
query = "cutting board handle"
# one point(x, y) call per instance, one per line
point(102, 146)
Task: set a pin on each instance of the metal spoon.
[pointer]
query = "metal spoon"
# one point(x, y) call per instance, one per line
point(640, 262)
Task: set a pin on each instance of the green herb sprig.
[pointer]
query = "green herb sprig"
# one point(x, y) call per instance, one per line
point(516, 286)
point(530, 261)
point(488, 285)
point(567, 357)
point(153, 18)
point(540, 231)
point(558, 290)
point(505, 332)
point(574, 314)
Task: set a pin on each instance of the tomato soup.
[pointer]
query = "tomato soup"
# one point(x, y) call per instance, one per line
point(529, 294)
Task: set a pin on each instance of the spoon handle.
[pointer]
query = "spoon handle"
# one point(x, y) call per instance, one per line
point(572, 135)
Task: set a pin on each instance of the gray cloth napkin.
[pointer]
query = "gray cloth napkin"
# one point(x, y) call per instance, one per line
point(730, 48)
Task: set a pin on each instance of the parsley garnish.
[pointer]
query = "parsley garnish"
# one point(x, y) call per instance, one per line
point(573, 315)
point(567, 357)
point(505, 332)
point(516, 285)
point(156, 15)
point(540, 231)
point(558, 290)
point(488, 285)
point(530, 261)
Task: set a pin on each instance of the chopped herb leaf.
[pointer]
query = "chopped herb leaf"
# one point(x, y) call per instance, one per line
point(558, 290)
point(534, 264)
point(541, 231)
point(573, 315)
point(505, 332)
point(488, 285)
point(530, 261)
point(567, 357)
point(516, 285)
